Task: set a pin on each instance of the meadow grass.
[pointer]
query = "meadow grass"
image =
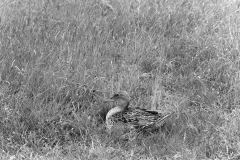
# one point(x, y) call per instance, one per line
point(60, 58)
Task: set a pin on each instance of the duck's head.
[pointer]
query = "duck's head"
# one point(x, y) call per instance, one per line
point(121, 99)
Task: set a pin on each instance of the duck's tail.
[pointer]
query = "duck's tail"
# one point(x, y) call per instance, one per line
point(161, 120)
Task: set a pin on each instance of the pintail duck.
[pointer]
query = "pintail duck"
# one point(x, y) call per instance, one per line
point(137, 118)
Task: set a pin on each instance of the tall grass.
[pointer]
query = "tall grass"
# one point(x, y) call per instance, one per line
point(60, 59)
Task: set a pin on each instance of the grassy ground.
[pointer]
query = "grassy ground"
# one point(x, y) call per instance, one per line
point(59, 59)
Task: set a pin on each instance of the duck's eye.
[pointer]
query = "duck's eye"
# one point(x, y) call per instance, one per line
point(116, 95)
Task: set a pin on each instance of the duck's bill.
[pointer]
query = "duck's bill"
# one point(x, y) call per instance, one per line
point(108, 100)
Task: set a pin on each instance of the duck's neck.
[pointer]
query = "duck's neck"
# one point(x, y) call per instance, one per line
point(114, 111)
point(127, 105)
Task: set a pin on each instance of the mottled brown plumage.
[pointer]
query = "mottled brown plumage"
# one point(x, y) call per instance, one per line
point(137, 118)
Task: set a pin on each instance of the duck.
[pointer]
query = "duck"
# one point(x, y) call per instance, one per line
point(137, 118)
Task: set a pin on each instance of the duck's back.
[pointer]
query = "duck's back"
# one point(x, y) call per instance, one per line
point(137, 117)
